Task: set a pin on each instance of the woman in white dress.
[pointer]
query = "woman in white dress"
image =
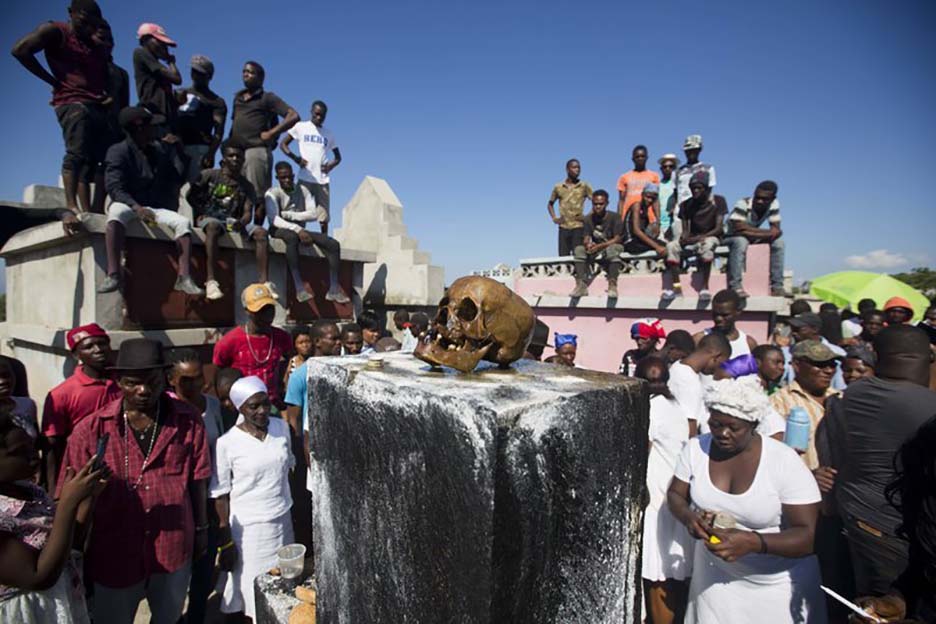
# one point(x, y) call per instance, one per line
point(763, 570)
point(667, 545)
point(250, 486)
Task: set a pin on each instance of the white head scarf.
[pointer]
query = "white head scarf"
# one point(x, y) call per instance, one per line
point(742, 398)
point(244, 388)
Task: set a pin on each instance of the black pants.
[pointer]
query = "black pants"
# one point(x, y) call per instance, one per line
point(327, 245)
point(569, 240)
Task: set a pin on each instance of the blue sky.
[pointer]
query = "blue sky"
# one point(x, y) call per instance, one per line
point(470, 109)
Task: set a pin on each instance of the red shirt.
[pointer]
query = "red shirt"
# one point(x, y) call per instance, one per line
point(81, 69)
point(255, 357)
point(151, 529)
point(73, 399)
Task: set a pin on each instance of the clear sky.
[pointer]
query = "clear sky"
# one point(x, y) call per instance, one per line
point(470, 109)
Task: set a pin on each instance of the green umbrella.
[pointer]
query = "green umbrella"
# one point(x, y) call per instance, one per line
point(847, 288)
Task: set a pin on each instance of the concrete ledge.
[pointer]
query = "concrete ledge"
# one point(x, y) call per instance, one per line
point(55, 338)
point(548, 300)
point(51, 234)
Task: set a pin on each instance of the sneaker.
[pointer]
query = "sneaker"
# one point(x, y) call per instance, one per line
point(580, 290)
point(612, 290)
point(185, 283)
point(272, 288)
point(213, 290)
point(302, 296)
point(704, 295)
point(668, 295)
point(741, 293)
point(111, 283)
point(337, 296)
point(777, 292)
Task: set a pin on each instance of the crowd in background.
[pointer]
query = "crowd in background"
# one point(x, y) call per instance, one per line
point(673, 216)
point(142, 161)
point(776, 467)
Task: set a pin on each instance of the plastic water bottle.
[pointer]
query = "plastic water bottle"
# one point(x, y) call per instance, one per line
point(797, 429)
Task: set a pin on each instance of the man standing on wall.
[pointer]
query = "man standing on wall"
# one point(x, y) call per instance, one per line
point(315, 142)
point(78, 76)
point(571, 194)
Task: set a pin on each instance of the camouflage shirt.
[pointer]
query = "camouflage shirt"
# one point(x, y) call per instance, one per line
point(571, 203)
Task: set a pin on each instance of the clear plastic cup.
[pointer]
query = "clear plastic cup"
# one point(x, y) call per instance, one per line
point(291, 559)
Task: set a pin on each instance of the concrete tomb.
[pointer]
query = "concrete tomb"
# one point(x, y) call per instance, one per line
point(498, 496)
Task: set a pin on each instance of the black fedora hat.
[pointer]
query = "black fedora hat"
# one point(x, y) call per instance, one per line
point(140, 354)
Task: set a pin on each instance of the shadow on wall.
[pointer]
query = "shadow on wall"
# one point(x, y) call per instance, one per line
point(376, 293)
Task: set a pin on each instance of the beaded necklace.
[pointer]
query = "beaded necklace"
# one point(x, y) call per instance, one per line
point(148, 452)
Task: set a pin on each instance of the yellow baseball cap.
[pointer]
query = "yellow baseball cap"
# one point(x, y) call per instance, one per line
point(257, 296)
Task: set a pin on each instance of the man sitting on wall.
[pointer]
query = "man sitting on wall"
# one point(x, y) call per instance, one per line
point(290, 208)
point(602, 243)
point(744, 229)
point(139, 171)
point(222, 199)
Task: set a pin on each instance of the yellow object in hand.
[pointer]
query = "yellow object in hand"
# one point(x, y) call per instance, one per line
point(713, 540)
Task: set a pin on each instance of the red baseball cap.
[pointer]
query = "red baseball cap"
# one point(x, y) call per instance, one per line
point(154, 30)
point(897, 302)
point(76, 335)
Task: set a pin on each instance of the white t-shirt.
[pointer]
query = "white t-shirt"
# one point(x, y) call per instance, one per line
point(686, 386)
point(756, 585)
point(781, 479)
point(255, 473)
point(314, 146)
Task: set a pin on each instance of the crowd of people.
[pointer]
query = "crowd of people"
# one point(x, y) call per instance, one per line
point(674, 216)
point(766, 479)
point(772, 467)
point(142, 159)
point(163, 479)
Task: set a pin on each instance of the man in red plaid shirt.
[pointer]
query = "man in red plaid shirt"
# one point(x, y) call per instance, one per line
point(151, 519)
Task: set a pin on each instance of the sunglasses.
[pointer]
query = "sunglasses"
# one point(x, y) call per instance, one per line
point(825, 364)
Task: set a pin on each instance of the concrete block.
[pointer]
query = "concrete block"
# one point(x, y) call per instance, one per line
point(43, 196)
point(373, 221)
point(499, 496)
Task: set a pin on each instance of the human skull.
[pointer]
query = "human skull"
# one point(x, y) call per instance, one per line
point(479, 318)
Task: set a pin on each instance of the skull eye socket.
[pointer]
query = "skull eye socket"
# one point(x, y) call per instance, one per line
point(442, 316)
point(467, 310)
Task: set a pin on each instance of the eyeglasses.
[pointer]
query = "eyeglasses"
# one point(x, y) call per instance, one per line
point(826, 364)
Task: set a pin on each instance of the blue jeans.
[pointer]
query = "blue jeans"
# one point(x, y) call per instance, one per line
point(737, 261)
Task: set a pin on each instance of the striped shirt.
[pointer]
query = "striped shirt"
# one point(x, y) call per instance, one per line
point(743, 212)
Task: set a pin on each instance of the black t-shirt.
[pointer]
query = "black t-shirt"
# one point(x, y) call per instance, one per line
point(256, 114)
point(930, 331)
point(153, 89)
point(879, 416)
point(703, 218)
point(195, 123)
point(603, 229)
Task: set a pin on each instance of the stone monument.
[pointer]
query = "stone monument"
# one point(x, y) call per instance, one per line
point(497, 496)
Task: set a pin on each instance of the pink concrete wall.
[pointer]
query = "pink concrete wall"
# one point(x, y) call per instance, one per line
point(604, 335)
point(756, 281)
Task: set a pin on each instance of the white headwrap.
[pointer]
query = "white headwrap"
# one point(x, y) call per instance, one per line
point(244, 388)
point(742, 398)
